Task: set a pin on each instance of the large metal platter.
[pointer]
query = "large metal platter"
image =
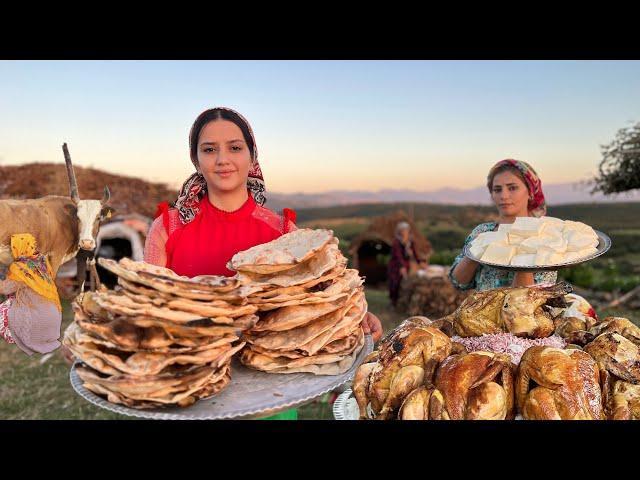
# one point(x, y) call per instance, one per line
point(250, 394)
point(604, 244)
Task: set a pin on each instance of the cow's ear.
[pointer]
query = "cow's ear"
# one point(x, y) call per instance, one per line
point(72, 210)
point(106, 213)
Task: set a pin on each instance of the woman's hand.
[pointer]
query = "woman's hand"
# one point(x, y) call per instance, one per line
point(403, 272)
point(465, 270)
point(372, 324)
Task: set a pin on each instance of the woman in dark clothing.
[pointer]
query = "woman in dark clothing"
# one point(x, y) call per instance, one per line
point(404, 260)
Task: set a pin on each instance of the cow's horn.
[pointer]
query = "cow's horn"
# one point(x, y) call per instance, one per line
point(107, 196)
point(73, 184)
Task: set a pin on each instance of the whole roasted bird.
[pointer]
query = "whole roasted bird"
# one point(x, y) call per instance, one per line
point(619, 361)
point(566, 385)
point(406, 359)
point(522, 311)
point(474, 386)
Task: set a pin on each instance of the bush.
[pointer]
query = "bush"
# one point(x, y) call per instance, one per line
point(443, 257)
point(581, 275)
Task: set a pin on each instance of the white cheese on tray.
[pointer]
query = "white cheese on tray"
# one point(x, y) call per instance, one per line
point(499, 254)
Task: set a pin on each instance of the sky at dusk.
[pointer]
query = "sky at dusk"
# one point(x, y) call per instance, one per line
point(324, 125)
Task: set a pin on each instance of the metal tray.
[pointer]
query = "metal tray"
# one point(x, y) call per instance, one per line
point(251, 393)
point(604, 244)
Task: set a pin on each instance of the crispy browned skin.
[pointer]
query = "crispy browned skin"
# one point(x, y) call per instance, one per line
point(406, 359)
point(567, 385)
point(625, 401)
point(475, 386)
point(416, 405)
point(575, 330)
point(619, 360)
point(516, 310)
point(617, 355)
point(619, 325)
point(479, 313)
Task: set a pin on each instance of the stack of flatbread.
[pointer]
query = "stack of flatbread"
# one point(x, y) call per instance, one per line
point(310, 305)
point(158, 339)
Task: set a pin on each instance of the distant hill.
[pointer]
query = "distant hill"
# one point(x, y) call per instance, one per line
point(602, 216)
point(128, 194)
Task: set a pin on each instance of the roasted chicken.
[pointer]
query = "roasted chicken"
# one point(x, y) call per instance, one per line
point(624, 401)
point(619, 325)
point(406, 359)
point(566, 385)
point(522, 311)
point(416, 405)
point(473, 386)
point(619, 361)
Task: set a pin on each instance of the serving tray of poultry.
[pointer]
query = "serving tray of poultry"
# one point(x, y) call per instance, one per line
point(504, 354)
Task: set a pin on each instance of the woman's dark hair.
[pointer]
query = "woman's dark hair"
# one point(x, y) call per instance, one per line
point(218, 114)
point(505, 168)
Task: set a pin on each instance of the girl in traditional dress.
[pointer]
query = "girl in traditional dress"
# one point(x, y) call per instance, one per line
point(219, 210)
point(516, 191)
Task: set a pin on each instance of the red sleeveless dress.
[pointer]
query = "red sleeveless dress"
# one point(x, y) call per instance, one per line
point(207, 243)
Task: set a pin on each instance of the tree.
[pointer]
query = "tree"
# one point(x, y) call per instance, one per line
point(619, 169)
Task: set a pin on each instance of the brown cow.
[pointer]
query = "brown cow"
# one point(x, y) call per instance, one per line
point(61, 225)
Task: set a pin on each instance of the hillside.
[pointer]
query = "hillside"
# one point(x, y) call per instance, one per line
point(128, 194)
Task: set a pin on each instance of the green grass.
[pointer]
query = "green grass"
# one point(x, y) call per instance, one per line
point(31, 390)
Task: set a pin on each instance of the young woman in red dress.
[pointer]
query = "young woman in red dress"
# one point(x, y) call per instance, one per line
point(219, 210)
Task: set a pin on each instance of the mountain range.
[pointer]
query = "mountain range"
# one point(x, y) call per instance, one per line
point(556, 194)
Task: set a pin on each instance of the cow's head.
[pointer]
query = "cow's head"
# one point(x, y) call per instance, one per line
point(91, 213)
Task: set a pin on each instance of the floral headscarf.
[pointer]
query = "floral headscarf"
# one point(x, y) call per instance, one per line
point(537, 205)
point(195, 187)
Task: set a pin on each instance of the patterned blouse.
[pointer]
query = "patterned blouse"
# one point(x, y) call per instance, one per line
point(489, 277)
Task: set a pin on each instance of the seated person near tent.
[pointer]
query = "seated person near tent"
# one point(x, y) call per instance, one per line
point(404, 260)
point(31, 315)
point(219, 209)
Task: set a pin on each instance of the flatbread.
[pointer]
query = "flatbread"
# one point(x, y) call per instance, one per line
point(153, 294)
point(123, 305)
point(290, 249)
point(145, 363)
point(203, 389)
point(326, 364)
point(75, 334)
point(293, 316)
point(310, 300)
point(297, 337)
point(352, 316)
point(217, 283)
point(305, 272)
point(185, 289)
